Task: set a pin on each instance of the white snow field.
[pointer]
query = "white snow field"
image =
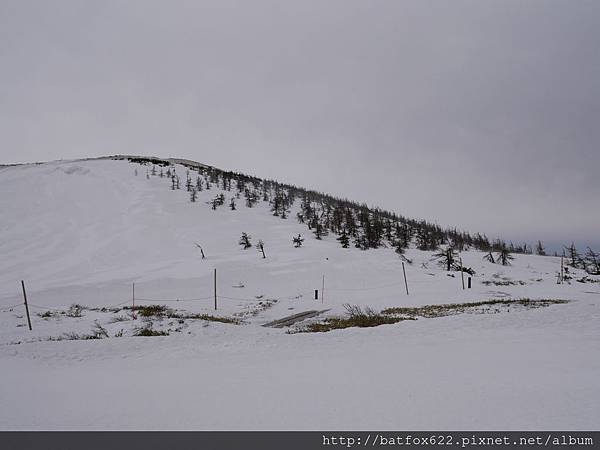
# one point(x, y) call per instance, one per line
point(81, 232)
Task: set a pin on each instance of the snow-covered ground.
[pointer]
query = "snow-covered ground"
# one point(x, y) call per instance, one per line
point(83, 232)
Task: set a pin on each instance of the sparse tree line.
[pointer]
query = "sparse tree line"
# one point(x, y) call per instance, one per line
point(245, 242)
point(589, 261)
point(354, 224)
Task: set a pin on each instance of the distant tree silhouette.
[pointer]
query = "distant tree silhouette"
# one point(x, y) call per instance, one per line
point(344, 239)
point(366, 227)
point(298, 240)
point(593, 261)
point(504, 257)
point(539, 249)
point(245, 241)
point(573, 255)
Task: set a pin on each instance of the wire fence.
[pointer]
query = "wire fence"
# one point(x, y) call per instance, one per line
point(9, 308)
point(302, 293)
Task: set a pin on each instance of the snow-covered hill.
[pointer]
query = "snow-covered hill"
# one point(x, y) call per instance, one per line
point(83, 232)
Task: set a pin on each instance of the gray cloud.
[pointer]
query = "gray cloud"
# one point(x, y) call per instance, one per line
point(479, 114)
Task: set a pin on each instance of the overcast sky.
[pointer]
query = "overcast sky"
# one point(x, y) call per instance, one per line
point(480, 114)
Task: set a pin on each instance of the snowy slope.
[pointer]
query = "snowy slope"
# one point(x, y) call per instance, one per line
point(84, 231)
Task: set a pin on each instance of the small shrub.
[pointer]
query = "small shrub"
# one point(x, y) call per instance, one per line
point(587, 279)
point(72, 336)
point(99, 331)
point(147, 331)
point(149, 310)
point(504, 283)
point(355, 317)
point(450, 309)
point(207, 317)
point(74, 311)
point(119, 319)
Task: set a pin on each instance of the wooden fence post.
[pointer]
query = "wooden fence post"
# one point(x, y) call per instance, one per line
point(133, 301)
point(215, 284)
point(405, 282)
point(26, 305)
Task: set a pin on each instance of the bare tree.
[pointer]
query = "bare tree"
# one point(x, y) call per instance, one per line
point(261, 247)
point(201, 250)
point(446, 257)
point(490, 257)
point(593, 260)
point(504, 257)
